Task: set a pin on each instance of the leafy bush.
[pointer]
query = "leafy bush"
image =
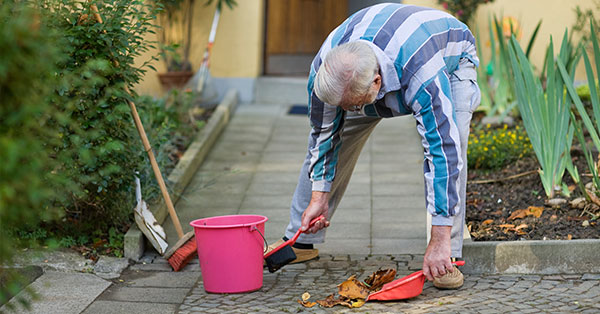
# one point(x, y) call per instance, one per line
point(583, 18)
point(491, 148)
point(29, 176)
point(98, 64)
point(462, 9)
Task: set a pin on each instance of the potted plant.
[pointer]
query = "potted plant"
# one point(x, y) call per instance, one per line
point(175, 39)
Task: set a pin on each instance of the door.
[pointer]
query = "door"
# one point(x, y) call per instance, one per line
point(295, 30)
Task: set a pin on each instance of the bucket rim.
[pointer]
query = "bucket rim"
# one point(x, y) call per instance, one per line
point(195, 223)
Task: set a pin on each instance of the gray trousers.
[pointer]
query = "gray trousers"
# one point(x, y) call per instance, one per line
point(358, 128)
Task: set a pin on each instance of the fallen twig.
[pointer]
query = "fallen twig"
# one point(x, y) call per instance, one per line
point(502, 179)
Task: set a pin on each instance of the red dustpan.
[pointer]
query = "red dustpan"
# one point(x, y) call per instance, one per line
point(403, 288)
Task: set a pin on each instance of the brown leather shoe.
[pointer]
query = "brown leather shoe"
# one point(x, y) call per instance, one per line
point(302, 255)
point(451, 280)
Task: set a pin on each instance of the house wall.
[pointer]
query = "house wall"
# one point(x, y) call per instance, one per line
point(237, 53)
point(237, 58)
point(556, 15)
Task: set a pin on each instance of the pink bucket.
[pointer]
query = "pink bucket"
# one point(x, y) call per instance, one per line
point(230, 250)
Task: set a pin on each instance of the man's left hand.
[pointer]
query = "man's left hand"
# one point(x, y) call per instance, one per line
point(437, 256)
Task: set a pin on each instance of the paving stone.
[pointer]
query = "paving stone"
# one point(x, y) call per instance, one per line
point(590, 277)
point(111, 307)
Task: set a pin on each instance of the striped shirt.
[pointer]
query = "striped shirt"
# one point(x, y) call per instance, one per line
point(417, 49)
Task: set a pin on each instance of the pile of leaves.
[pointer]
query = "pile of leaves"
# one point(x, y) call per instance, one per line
point(353, 293)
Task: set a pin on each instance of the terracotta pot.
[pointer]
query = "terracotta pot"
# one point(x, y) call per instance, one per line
point(170, 80)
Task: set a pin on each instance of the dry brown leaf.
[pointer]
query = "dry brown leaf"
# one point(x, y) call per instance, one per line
point(530, 211)
point(535, 211)
point(593, 197)
point(379, 278)
point(521, 226)
point(487, 221)
point(307, 304)
point(353, 289)
point(358, 303)
point(330, 301)
point(305, 296)
point(506, 226)
point(518, 214)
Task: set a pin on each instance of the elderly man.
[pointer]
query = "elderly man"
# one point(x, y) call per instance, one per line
point(384, 61)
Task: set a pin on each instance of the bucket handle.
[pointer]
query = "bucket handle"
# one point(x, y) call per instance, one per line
point(252, 228)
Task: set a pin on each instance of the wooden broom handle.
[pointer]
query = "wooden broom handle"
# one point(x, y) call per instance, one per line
point(157, 174)
point(148, 148)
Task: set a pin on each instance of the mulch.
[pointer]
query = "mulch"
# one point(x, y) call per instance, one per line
point(490, 206)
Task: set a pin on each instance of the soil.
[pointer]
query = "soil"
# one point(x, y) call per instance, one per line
point(490, 206)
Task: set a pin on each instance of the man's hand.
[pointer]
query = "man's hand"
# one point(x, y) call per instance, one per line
point(319, 205)
point(437, 256)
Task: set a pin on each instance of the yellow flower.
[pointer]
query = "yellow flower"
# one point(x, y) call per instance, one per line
point(485, 149)
point(487, 126)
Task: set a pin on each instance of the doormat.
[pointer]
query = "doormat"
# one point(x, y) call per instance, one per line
point(298, 109)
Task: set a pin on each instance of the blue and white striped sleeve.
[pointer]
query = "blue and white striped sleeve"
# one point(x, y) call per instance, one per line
point(325, 140)
point(432, 108)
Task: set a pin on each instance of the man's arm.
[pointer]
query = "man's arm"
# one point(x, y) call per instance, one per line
point(325, 140)
point(435, 123)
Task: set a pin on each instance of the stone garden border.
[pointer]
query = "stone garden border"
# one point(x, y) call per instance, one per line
point(532, 257)
point(180, 177)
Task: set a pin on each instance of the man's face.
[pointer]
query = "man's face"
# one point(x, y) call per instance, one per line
point(356, 103)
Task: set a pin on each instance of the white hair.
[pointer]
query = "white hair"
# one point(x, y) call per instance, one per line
point(348, 69)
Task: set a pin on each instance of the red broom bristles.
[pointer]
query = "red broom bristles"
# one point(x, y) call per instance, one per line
point(183, 255)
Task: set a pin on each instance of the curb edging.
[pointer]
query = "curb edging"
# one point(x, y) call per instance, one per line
point(532, 257)
point(183, 173)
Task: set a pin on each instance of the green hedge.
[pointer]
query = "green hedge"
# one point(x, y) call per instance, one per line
point(68, 144)
point(30, 176)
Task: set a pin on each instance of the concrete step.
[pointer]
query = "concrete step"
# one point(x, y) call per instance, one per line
point(281, 90)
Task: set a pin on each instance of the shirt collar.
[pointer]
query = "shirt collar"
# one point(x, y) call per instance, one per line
point(387, 70)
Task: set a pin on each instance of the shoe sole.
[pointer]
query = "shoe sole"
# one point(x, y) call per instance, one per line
point(304, 255)
point(448, 287)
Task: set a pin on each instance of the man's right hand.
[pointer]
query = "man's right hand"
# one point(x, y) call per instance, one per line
point(319, 205)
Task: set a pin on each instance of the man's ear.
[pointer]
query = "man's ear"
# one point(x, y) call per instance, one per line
point(377, 80)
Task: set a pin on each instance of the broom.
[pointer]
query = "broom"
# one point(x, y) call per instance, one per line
point(184, 250)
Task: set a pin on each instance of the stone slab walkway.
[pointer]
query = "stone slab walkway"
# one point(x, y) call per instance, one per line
point(254, 168)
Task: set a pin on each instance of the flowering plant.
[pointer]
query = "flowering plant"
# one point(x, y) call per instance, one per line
point(493, 148)
point(462, 9)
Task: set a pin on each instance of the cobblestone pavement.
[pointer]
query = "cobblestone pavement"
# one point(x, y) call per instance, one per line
point(480, 294)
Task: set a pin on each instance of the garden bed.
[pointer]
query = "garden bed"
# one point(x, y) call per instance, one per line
point(490, 206)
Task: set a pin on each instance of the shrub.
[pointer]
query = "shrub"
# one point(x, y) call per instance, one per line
point(100, 150)
point(29, 179)
point(462, 9)
point(491, 148)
